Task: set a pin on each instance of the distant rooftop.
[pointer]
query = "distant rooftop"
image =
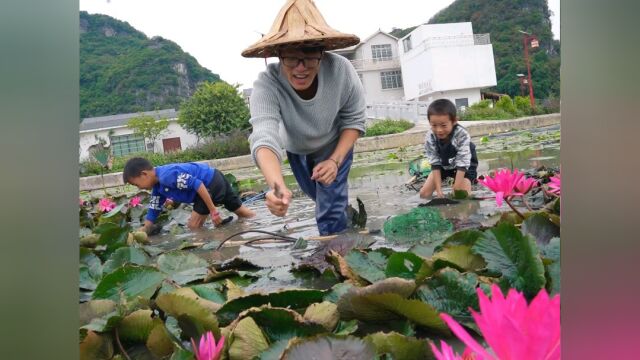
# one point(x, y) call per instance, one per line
point(110, 121)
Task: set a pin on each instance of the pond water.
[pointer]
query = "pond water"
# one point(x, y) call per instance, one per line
point(379, 180)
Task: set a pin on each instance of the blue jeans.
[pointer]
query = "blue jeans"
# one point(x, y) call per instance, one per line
point(331, 200)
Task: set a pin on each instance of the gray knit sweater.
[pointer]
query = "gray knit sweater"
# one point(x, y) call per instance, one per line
point(280, 118)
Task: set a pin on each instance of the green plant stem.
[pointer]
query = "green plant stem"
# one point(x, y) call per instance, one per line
point(514, 209)
point(124, 353)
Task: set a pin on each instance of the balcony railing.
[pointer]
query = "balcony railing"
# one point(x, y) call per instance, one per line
point(375, 64)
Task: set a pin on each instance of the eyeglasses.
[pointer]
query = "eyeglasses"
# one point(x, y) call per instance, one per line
point(307, 62)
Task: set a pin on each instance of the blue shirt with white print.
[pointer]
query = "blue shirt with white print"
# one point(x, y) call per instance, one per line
point(178, 182)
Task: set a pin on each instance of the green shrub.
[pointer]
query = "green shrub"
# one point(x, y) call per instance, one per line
point(233, 144)
point(388, 126)
point(506, 104)
point(485, 114)
point(523, 104)
point(482, 104)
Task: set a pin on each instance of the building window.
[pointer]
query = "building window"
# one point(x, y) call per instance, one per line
point(462, 103)
point(381, 52)
point(391, 79)
point(127, 144)
point(406, 44)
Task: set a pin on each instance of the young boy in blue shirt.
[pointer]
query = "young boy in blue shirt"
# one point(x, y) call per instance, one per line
point(195, 183)
point(449, 150)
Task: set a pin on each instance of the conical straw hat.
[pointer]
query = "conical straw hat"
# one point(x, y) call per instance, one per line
point(299, 23)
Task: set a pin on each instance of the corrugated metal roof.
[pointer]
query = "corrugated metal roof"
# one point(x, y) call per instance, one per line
point(110, 121)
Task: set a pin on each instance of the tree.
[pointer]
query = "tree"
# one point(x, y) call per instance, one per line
point(148, 127)
point(214, 109)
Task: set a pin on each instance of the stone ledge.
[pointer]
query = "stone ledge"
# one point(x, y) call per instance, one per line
point(414, 136)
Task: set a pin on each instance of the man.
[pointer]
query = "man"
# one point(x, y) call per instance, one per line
point(313, 103)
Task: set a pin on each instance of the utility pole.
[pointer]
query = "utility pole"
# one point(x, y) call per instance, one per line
point(534, 43)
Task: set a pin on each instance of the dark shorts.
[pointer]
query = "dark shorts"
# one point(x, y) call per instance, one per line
point(221, 194)
point(470, 174)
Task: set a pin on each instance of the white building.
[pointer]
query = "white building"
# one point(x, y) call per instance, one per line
point(114, 131)
point(446, 61)
point(432, 62)
point(377, 63)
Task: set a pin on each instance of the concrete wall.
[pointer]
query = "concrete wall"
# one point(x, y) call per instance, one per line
point(88, 138)
point(413, 136)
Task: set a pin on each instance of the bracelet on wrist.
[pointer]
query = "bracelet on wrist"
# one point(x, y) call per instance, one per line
point(335, 161)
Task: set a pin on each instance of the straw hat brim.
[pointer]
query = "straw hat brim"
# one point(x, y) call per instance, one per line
point(299, 24)
point(270, 49)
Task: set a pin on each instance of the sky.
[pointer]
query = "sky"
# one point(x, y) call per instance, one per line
point(215, 32)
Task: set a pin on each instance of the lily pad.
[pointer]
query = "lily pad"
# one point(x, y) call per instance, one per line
point(248, 341)
point(114, 211)
point(104, 323)
point(514, 255)
point(551, 252)
point(464, 237)
point(136, 326)
point(369, 266)
point(400, 347)
point(540, 227)
point(404, 265)
point(451, 292)
point(94, 309)
point(96, 346)
point(346, 327)
point(280, 323)
point(194, 318)
point(183, 267)
point(458, 256)
point(324, 313)
point(336, 291)
point(342, 267)
point(159, 341)
point(329, 348)
point(129, 281)
point(295, 299)
point(126, 255)
point(112, 236)
point(211, 291)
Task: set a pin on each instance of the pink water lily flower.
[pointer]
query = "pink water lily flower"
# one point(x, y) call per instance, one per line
point(555, 184)
point(448, 353)
point(208, 349)
point(106, 204)
point(513, 329)
point(525, 185)
point(135, 201)
point(503, 183)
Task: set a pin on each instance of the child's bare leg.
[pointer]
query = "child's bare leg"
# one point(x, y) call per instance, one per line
point(245, 212)
point(428, 187)
point(196, 220)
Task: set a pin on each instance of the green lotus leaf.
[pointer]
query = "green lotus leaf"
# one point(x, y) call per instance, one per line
point(324, 313)
point(336, 291)
point(400, 347)
point(125, 255)
point(451, 292)
point(210, 291)
point(129, 281)
point(193, 317)
point(248, 341)
point(404, 265)
point(464, 237)
point(514, 255)
point(90, 270)
point(294, 298)
point(540, 226)
point(136, 326)
point(159, 341)
point(346, 327)
point(280, 323)
point(183, 267)
point(551, 252)
point(104, 323)
point(369, 266)
point(329, 347)
point(459, 257)
point(96, 346)
point(95, 309)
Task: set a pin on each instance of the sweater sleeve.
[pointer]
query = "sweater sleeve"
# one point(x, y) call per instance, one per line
point(462, 143)
point(431, 152)
point(353, 113)
point(265, 118)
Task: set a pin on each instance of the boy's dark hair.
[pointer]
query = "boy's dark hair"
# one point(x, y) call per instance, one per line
point(134, 167)
point(442, 107)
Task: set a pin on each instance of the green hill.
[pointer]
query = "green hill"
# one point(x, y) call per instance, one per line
point(123, 71)
point(502, 19)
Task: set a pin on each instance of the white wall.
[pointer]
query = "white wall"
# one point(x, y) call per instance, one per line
point(364, 50)
point(88, 138)
point(448, 60)
point(373, 89)
point(472, 95)
point(371, 77)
